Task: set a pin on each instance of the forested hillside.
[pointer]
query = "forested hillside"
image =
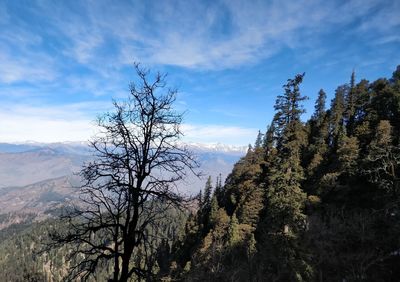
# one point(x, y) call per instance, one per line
point(26, 253)
point(310, 201)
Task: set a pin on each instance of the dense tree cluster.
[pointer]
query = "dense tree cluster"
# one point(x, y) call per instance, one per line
point(310, 201)
point(24, 258)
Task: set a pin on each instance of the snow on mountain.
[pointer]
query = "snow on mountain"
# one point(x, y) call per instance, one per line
point(82, 147)
point(218, 147)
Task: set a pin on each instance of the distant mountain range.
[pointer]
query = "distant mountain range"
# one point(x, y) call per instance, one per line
point(37, 177)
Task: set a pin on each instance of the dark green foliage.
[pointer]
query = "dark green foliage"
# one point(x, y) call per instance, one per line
point(329, 190)
point(288, 108)
point(283, 194)
point(320, 111)
point(350, 105)
point(317, 149)
point(336, 126)
point(284, 218)
point(269, 138)
point(203, 215)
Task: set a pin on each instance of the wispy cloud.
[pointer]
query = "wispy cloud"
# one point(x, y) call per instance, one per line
point(45, 123)
point(193, 34)
point(206, 133)
point(55, 53)
point(75, 122)
point(105, 36)
point(28, 68)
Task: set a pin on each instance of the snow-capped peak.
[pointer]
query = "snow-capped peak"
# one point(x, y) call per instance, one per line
point(217, 147)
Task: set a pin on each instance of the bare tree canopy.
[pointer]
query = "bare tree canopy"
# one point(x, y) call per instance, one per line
point(129, 184)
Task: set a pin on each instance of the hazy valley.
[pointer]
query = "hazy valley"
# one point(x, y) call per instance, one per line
point(39, 178)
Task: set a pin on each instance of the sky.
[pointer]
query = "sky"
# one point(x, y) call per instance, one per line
point(62, 62)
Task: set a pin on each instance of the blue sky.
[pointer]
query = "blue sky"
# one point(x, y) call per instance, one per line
point(61, 62)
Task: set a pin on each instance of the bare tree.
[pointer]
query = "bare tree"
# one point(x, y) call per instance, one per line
point(130, 184)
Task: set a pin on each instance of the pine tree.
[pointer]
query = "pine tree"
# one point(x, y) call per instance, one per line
point(337, 115)
point(382, 164)
point(213, 210)
point(320, 112)
point(199, 198)
point(284, 196)
point(248, 211)
point(269, 138)
point(362, 99)
point(350, 105)
point(319, 125)
point(348, 154)
point(233, 231)
point(395, 80)
point(318, 137)
point(362, 128)
point(385, 105)
point(242, 181)
point(259, 140)
point(284, 216)
point(219, 192)
point(207, 194)
point(288, 108)
point(269, 152)
point(204, 211)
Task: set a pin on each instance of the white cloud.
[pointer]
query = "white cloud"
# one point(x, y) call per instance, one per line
point(235, 33)
point(105, 36)
point(43, 123)
point(192, 34)
point(232, 135)
point(75, 122)
point(28, 68)
point(41, 129)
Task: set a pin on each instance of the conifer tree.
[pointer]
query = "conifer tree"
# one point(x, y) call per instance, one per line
point(233, 231)
point(242, 181)
point(318, 124)
point(219, 193)
point(319, 113)
point(348, 154)
point(382, 164)
point(213, 210)
point(362, 128)
point(362, 97)
point(337, 115)
point(207, 193)
point(204, 211)
point(395, 80)
point(259, 140)
point(284, 216)
point(269, 152)
point(288, 108)
point(385, 105)
point(350, 105)
point(268, 143)
point(284, 191)
point(318, 138)
point(199, 198)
